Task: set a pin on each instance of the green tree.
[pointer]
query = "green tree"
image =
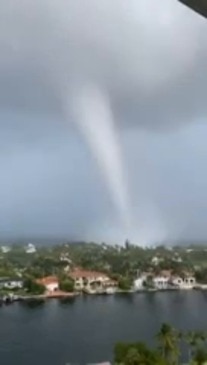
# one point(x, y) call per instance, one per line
point(124, 283)
point(201, 276)
point(200, 356)
point(191, 340)
point(194, 339)
point(133, 357)
point(66, 284)
point(168, 339)
point(136, 354)
point(33, 287)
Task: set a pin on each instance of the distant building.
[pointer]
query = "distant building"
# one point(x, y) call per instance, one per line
point(156, 260)
point(177, 259)
point(139, 283)
point(5, 249)
point(64, 257)
point(8, 283)
point(50, 283)
point(30, 248)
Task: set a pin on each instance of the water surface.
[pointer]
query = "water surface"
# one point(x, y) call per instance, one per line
point(85, 329)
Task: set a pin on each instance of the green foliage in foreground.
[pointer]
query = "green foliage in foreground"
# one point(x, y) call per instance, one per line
point(137, 354)
point(167, 351)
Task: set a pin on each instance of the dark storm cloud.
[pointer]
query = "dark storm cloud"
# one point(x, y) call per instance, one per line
point(149, 57)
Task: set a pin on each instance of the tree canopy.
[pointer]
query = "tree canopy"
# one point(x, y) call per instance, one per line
point(167, 351)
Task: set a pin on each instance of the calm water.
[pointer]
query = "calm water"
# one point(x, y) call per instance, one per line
point(84, 330)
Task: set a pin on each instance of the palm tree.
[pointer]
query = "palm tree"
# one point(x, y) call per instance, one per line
point(133, 357)
point(201, 336)
point(168, 340)
point(193, 339)
point(200, 356)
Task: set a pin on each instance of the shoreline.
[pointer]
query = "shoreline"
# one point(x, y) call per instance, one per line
point(11, 298)
point(55, 295)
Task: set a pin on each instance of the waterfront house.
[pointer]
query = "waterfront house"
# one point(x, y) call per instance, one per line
point(88, 279)
point(186, 282)
point(161, 282)
point(50, 283)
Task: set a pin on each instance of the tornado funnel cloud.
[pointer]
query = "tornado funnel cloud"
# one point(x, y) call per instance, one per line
point(95, 121)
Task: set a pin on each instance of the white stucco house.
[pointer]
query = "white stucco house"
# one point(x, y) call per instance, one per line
point(50, 283)
point(161, 282)
point(139, 282)
point(187, 282)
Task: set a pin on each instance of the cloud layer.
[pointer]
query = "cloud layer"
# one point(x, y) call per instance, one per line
point(150, 59)
point(144, 54)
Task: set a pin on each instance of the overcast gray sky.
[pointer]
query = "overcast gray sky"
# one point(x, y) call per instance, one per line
point(150, 59)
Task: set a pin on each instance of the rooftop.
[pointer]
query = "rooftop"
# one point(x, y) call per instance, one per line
point(47, 280)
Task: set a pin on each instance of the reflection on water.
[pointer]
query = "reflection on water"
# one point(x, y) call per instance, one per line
point(129, 297)
point(67, 300)
point(32, 303)
point(84, 329)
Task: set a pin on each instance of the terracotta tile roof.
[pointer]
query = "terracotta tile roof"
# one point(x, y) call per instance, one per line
point(47, 280)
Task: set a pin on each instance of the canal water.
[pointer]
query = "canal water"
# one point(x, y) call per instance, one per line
point(85, 329)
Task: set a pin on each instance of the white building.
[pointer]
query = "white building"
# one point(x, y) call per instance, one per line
point(184, 283)
point(5, 249)
point(64, 257)
point(139, 282)
point(30, 248)
point(161, 282)
point(13, 284)
point(156, 260)
point(177, 259)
